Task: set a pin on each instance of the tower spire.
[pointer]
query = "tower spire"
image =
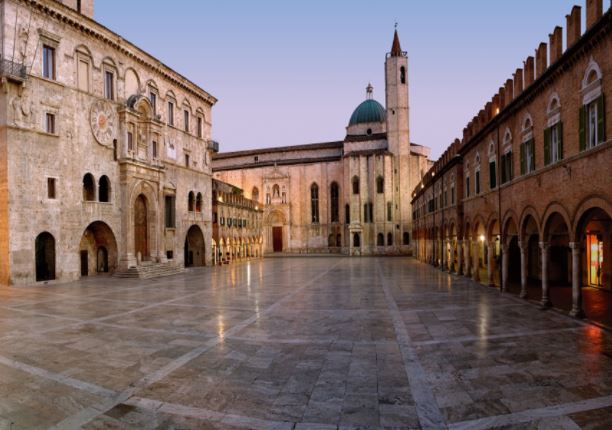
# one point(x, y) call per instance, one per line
point(396, 49)
point(369, 91)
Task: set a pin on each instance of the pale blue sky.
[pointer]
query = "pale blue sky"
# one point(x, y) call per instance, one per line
point(289, 72)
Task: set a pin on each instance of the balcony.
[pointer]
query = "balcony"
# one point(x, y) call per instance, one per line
point(12, 70)
point(212, 145)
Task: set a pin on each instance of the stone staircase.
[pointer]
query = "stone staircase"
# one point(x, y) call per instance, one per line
point(149, 269)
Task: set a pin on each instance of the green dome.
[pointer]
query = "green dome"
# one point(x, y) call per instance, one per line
point(368, 111)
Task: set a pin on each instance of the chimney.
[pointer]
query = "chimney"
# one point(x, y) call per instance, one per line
point(573, 26)
point(528, 66)
point(542, 60)
point(556, 44)
point(495, 104)
point(593, 12)
point(509, 93)
point(518, 82)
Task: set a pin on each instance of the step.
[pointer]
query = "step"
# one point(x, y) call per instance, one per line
point(149, 270)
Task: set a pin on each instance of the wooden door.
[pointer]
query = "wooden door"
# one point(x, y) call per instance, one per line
point(277, 239)
point(84, 264)
point(140, 227)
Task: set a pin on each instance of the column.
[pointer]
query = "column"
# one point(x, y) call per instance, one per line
point(505, 261)
point(475, 265)
point(490, 262)
point(523, 248)
point(545, 247)
point(576, 311)
point(443, 265)
point(468, 258)
point(459, 268)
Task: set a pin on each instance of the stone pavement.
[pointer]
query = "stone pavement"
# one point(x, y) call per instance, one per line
point(297, 343)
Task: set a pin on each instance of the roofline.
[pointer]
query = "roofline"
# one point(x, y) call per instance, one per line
point(291, 162)
point(305, 147)
point(96, 30)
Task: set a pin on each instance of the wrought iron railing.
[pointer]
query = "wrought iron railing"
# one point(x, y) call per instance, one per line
point(12, 69)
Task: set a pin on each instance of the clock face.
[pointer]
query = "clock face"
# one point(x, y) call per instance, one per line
point(102, 119)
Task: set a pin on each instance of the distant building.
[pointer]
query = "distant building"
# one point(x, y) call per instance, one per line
point(237, 225)
point(526, 195)
point(101, 147)
point(350, 197)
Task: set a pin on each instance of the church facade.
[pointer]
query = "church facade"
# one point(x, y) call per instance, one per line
point(102, 150)
point(351, 196)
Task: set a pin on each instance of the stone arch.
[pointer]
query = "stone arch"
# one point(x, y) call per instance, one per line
point(104, 189)
point(142, 105)
point(89, 187)
point(131, 81)
point(554, 103)
point(510, 218)
point(551, 209)
point(592, 67)
point(586, 205)
point(529, 215)
point(195, 248)
point(98, 249)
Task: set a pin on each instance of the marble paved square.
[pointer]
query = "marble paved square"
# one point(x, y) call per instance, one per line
point(297, 343)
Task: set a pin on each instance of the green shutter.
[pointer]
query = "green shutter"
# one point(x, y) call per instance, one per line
point(601, 114)
point(510, 166)
point(522, 158)
point(547, 146)
point(532, 148)
point(503, 169)
point(582, 129)
point(492, 177)
point(560, 137)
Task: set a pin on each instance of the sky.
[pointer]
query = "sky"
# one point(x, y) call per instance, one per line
point(292, 72)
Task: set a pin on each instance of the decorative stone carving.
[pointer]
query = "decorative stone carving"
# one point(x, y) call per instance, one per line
point(23, 111)
point(103, 122)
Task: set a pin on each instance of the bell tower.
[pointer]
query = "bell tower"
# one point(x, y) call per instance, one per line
point(398, 134)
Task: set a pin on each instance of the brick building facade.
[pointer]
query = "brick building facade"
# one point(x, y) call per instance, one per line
point(525, 198)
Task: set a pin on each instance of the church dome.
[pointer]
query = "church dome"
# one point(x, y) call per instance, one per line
point(368, 111)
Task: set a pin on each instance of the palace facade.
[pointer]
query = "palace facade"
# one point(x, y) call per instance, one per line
point(524, 200)
point(101, 148)
point(351, 196)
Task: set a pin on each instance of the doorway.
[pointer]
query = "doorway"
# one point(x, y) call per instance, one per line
point(45, 257)
point(140, 227)
point(84, 263)
point(277, 239)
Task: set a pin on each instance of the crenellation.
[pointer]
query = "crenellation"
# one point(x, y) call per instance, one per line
point(509, 91)
point(517, 78)
point(556, 44)
point(573, 26)
point(541, 59)
point(593, 12)
point(528, 67)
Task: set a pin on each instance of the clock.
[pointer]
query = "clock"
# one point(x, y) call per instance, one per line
point(102, 120)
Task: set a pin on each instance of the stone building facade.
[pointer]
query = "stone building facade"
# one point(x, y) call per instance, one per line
point(525, 198)
point(101, 146)
point(351, 196)
point(237, 225)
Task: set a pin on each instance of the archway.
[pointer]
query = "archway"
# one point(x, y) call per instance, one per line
point(556, 262)
point(98, 249)
point(45, 257)
point(511, 257)
point(141, 228)
point(195, 251)
point(480, 252)
point(275, 225)
point(531, 270)
point(493, 253)
point(356, 240)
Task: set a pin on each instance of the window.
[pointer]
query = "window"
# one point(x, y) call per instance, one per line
point(335, 209)
point(171, 114)
point(506, 167)
point(51, 188)
point(198, 205)
point(186, 120)
point(527, 157)
point(89, 187)
point(190, 201)
point(477, 182)
point(492, 174)
point(169, 211)
point(355, 182)
point(553, 144)
point(452, 194)
point(347, 214)
point(380, 240)
point(200, 127)
point(380, 185)
point(78, 6)
point(109, 85)
point(268, 199)
point(104, 189)
point(186, 160)
point(368, 212)
point(389, 239)
point(83, 74)
point(48, 66)
point(130, 141)
point(50, 123)
point(403, 75)
point(406, 238)
point(592, 124)
point(275, 191)
point(153, 100)
point(467, 186)
point(314, 203)
point(154, 148)
point(389, 211)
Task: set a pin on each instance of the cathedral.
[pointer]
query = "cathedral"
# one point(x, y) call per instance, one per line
point(349, 197)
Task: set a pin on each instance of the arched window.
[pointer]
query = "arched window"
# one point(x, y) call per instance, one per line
point(255, 194)
point(45, 257)
point(592, 112)
point(335, 208)
point(198, 206)
point(356, 240)
point(314, 203)
point(190, 201)
point(89, 188)
point(389, 239)
point(355, 182)
point(380, 185)
point(406, 238)
point(104, 189)
point(403, 75)
point(347, 214)
point(275, 191)
point(380, 240)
